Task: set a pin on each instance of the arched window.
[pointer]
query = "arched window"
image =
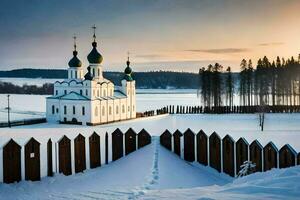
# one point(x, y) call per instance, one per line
point(104, 93)
point(65, 91)
point(109, 110)
point(71, 74)
point(56, 92)
point(97, 93)
point(65, 110)
point(123, 109)
point(117, 109)
point(86, 92)
point(103, 110)
point(76, 75)
point(98, 72)
point(74, 110)
point(94, 71)
point(80, 92)
point(96, 111)
point(53, 109)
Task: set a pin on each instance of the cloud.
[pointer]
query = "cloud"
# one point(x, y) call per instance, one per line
point(271, 44)
point(220, 51)
point(149, 56)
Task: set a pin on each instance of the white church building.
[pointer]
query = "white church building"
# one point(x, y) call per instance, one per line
point(91, 99)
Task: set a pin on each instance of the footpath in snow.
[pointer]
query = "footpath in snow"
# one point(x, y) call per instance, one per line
point(132, 177)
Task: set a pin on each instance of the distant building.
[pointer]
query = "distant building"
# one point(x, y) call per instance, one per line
point(91, 99)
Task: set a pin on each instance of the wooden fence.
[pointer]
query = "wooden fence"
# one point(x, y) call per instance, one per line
point(225, 154)
point(179, 109)
point(67, 156)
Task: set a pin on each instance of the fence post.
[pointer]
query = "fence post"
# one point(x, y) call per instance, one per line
point(234, 158)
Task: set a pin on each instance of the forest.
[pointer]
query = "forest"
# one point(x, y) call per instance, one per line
point(269, 83)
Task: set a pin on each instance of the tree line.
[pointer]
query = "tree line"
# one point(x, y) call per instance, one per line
point(270, 83)
point(151, 79)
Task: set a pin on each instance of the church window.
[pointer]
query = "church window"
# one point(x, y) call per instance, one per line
point(97, 93)
point(123, 109)
point(65, 110)
point(104, 93)
point(96, 111)
point(65, 91)
point(94, 71)
point(56, 110)
point(80, 92)
point(76, 75)
point(71, 74)
point(86, 92)
point(83, 110)
point(98, 72)
point(53, 109)
point(103, 110)
point(110, 110)
point(56, 92)
point(74, 110)
point(117, 109)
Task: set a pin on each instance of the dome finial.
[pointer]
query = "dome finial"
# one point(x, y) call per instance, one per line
point(74, 37)
point(94, 28)
point(128, 62)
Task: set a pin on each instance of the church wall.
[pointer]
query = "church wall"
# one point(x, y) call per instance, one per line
point(79, 115)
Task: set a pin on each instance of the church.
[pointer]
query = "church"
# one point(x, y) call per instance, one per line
point(90, 98)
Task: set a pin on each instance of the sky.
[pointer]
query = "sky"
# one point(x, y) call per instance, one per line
point(172, 35)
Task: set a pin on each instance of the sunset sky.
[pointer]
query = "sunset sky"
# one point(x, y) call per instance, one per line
point(160, 34)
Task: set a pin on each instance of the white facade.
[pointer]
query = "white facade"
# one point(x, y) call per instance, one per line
point(91, 99)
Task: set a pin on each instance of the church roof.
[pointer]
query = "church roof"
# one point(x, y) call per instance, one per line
point(70, 96)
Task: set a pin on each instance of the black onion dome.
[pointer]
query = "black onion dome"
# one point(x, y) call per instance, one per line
point(94, 56)
point(88, 75)
point(128, 70)
point(75, 62)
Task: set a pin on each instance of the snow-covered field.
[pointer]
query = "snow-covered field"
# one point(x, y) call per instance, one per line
point(153, 172)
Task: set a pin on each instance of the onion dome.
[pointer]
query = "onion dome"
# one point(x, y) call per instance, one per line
point(94, 56)
point(88, 75)
point(75, 62)
point(128, 71)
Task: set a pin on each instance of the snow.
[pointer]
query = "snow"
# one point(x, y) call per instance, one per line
point(154, 172)
point(274, 184)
